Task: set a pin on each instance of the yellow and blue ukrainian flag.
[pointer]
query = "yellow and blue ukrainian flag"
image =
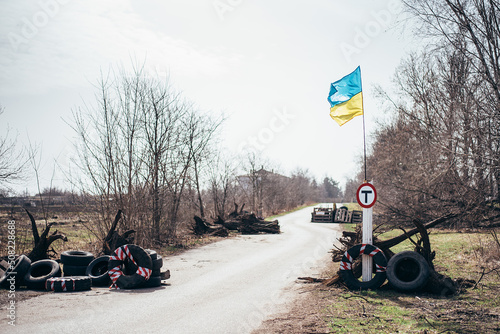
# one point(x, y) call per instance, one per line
point(346, 98)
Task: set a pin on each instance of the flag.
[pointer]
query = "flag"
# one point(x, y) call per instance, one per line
point(346, 98)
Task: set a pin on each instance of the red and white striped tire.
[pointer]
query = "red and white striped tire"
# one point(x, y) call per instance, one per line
point(379, 266)
point(68, 284)
point(129, 256)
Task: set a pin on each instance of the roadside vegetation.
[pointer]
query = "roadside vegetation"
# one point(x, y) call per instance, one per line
point(472, 257)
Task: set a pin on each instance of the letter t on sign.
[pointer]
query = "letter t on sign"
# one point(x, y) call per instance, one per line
point(366, 192)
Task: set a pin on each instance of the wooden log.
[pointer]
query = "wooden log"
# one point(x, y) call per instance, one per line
point(260, 227)
point(232, 225)
point(312, 279)
point(201, 227)
point(247, 223)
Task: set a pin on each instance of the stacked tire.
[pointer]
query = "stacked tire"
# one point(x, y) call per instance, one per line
point(75, 262)
point(97, 270)
point(142, 269)
point(155, 279)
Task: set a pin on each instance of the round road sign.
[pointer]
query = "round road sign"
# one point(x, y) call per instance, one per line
point(366, 195)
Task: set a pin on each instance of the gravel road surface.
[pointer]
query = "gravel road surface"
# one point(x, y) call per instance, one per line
point(226, 287)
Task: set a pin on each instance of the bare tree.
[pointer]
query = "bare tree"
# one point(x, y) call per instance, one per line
point(12, 160)
point(137, 148)
point(200, 131)
point(221, 178)
point(471, 28)
point(106, 149)
point(435, 158)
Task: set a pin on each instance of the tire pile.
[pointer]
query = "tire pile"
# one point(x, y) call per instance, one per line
point(129, 267)
point(406, 271)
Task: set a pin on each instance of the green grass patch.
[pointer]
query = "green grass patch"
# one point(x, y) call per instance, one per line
point(349, 227)
point(371, 312)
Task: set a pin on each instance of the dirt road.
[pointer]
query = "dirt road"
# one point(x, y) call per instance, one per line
point(226, 287)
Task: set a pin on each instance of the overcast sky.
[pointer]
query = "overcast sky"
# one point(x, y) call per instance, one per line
point(267, 65)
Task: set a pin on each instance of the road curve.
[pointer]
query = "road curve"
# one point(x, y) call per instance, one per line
point(226, 287)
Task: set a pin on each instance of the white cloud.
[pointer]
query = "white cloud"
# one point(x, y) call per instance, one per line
point(84, 37)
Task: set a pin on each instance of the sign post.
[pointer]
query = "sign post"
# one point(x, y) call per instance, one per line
point(367, 196)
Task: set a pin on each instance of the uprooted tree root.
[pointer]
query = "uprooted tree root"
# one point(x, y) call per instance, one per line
point(43, 241)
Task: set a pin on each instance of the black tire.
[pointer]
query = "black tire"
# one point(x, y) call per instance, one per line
point(408, 271)
point(68, 284)
point(157, 264)
point(152, 253)
point(130, 256)
point(74, 270)
point(19, 269)
point(97, 270)
point(4, 265)
point(379, 265)
point(76, 258)
point(39, 272)
point(152, 282)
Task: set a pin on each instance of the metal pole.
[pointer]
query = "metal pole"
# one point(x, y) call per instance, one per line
point(364, 126)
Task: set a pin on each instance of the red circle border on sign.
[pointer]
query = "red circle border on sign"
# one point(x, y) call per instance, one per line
point(374, 192)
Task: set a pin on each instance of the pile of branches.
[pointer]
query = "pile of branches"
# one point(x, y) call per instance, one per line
point(438, 284)
point(238, 220)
